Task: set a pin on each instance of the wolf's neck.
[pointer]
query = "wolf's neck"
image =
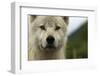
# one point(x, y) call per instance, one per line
point(46, 55)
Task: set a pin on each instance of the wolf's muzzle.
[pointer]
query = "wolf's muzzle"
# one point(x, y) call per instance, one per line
point(50, 40)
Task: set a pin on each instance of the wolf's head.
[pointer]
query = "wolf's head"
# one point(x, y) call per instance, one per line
point(49, 31)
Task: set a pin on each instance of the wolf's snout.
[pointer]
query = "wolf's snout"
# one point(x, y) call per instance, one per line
point(50, 39)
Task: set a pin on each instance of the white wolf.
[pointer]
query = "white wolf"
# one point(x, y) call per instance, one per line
point(47, 37)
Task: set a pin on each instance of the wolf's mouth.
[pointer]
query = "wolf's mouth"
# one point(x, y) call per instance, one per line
point(49, 47)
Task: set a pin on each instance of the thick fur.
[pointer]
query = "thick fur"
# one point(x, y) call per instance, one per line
point(37, 37)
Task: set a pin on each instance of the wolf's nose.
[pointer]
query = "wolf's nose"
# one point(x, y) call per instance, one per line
point(50, 39)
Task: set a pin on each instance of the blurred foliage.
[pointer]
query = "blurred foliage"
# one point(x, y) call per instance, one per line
point(77, 45)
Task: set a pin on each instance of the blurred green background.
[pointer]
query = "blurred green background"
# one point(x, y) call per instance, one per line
point(77, 45)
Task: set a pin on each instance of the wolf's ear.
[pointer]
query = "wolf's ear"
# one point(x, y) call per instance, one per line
point(32, 18)
point(66, 19)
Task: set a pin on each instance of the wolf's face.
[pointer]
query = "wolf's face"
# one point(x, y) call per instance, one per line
point(49, 31)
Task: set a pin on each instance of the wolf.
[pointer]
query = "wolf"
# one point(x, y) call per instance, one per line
point(47, 37)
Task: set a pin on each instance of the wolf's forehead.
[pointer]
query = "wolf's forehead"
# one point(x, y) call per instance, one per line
point(49, 19)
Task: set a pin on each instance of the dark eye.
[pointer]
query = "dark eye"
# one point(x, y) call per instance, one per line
point(57, 28)
point(42, 27)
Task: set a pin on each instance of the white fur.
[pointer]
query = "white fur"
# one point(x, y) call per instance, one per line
point(37, 37)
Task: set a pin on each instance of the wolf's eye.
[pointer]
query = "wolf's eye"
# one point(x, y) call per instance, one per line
point(42, 27)
point(57, 28)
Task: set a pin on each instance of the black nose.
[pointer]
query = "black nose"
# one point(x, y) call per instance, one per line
point(50, 39)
